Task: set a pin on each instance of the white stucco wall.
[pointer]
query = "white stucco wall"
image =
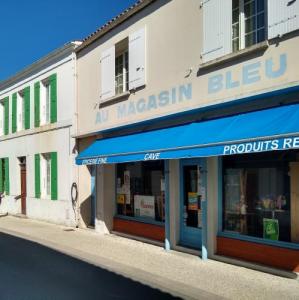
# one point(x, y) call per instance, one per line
point(174, 43)
point(54, 137)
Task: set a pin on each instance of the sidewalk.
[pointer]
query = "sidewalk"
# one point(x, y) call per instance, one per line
point(180, 274)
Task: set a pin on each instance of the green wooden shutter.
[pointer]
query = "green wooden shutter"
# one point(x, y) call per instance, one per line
point(27, 106)
point(14, 113)
point(53, 96)
point(37, 175)
point(6, 116)
point(37, 104)
point(1, 176)
point(6, 167)
point(54, 194)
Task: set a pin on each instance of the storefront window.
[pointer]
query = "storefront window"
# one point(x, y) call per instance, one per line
point(141, 190)
point(257, 196)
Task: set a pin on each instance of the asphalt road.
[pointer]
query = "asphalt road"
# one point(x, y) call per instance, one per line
point(31, 271)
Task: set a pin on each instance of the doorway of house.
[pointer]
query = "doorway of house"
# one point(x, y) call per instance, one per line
point(23, 184)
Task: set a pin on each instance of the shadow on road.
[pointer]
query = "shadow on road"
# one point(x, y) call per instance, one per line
point(32, 271)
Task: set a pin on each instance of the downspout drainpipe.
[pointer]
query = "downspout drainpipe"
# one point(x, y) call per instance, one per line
point(75, 124)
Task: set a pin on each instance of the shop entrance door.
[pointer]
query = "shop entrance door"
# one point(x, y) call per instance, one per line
point(192, 194)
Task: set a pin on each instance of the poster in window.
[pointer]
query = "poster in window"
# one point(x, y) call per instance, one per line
point(121, 199)
point(192, 201)
point(271, 229)
point(144, 206)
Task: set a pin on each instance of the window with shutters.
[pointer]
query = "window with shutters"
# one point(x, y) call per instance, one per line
point(20, 111)
point(2, 117)
point(46, 185)
point(46, 175)
point(2, 172)
point(123, 66)
point(4, 175)
point(248, 23)
point(45, 102)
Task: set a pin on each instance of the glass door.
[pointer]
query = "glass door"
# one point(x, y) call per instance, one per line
point(193, 192)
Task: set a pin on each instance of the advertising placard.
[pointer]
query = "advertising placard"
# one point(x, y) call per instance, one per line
point(192, 201)
point(271, 229)
point(144, 206)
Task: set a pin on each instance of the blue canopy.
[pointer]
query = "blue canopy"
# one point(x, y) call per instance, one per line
point(265, 130)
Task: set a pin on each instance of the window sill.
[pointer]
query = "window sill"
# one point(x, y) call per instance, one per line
point(36, 130)
point(252, 239)
point(140, 219)
point(115, 99)
point(234, 55)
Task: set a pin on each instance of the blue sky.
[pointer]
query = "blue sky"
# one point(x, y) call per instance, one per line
point(31, 29)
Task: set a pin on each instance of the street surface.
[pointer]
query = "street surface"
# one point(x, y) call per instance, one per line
point(31, 271)
point(39, 260)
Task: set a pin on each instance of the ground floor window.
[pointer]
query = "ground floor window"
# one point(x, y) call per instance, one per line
point(46, 175)
point(4, 176)
point(46, 172)
point(141, 190)
point(260, 195)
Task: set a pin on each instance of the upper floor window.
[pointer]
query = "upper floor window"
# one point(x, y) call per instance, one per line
point(232, 25)
point(2, 117)
point(45, 101)
point(20, 111)
point(248, 23)
point(123, 66)
point(20, 114)
point(121, 73)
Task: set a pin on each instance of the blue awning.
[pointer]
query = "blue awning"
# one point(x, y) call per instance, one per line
point(264, 130)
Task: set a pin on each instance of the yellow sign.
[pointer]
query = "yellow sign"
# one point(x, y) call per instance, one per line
point(121, 199)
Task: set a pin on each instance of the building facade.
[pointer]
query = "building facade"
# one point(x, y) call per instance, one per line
point(188, 130)
point(36, 124)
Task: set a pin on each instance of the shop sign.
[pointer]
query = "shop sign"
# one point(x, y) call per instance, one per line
point(153, 103)
point(94, 161)
point(271, 229)
point(250, 74)
point(152, 156)
point(261, 146)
